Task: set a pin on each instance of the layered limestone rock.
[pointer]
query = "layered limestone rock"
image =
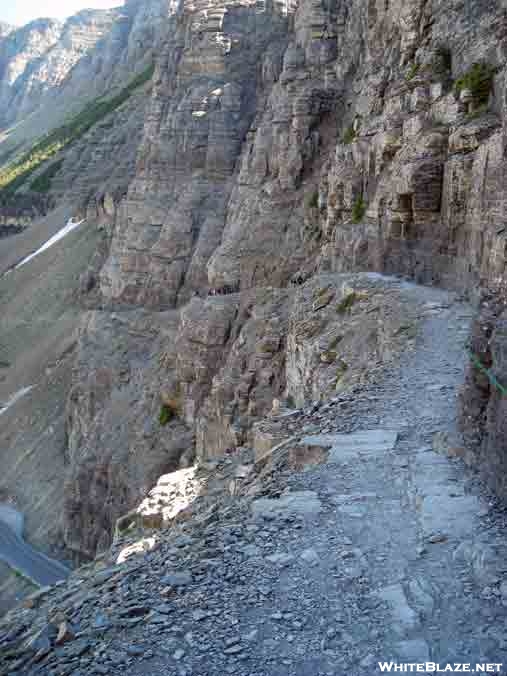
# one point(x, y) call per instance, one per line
point(416, 171)
point(96, 171)
point(117, 447)
point(211, 78)
point(285, 140)
point(416, 182)
point(282, 142)
point(227, 391)
point(217, 367)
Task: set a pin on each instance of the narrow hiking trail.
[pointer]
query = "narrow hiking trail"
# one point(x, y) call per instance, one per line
point(387, 551)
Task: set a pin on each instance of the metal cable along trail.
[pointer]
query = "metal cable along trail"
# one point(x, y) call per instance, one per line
point(492, 378)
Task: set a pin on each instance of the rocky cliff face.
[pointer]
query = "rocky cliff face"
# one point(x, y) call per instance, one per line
point(56, 80)
point(50, 73)
point(280, 141)
point(483, 406)
point(421, 160)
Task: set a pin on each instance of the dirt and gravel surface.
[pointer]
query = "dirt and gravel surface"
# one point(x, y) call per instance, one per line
point(387, 549)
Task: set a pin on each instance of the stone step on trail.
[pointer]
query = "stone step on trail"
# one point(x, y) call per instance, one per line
point(346, 446)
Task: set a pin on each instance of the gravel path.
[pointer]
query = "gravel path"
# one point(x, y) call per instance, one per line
point(391, 553)
point(386, 551)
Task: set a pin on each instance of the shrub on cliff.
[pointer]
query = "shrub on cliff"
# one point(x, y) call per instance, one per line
point(479, 80)
point(349, 135)
point(358, 210)
point(346, 303)
point(412, 71)
point(166, 414)
point(171, 406)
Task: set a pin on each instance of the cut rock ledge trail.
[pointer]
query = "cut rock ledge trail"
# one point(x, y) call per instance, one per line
point(387, 550)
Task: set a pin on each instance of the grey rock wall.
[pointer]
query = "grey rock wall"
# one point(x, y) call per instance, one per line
point(284, 140)
point(280, 140)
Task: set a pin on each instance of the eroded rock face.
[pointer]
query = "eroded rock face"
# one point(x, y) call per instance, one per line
point(96, 171)
point(428, 172)
point(250, 373)
point(340, 329)
point(483, 403)
point(52, 71)
point(117, 447)
point(19, 49)
point(216, 365)
point(280, 142)
point(206, 93)
point(306, 154)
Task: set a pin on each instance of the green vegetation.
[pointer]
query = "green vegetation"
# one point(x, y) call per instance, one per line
point(125, 523)
point(340, 372)
point(409, 330)
point(23, 577)
point(358, 210)
point(480, 110)
point(335, 342)
point(320, 293)
point(350, 135)
point(328, 357)
point(166, 414)
point(412, 71)
point(479, 80)
point(313, 200)
point(347, 302)
point(16, 173)
point(442, 61)
point(171, 407)
point(487, 372)
point(43, 182)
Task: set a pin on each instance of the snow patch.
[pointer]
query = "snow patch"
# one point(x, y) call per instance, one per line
point(71, 225)
point(15, 397)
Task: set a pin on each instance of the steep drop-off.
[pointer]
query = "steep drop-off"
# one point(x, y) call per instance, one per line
point(72, 107)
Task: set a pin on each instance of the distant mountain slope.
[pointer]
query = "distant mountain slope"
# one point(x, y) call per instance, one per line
point(5, 29)
point(50, 69)
point(58, 77)
point(73, 100)
point(24, 72)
